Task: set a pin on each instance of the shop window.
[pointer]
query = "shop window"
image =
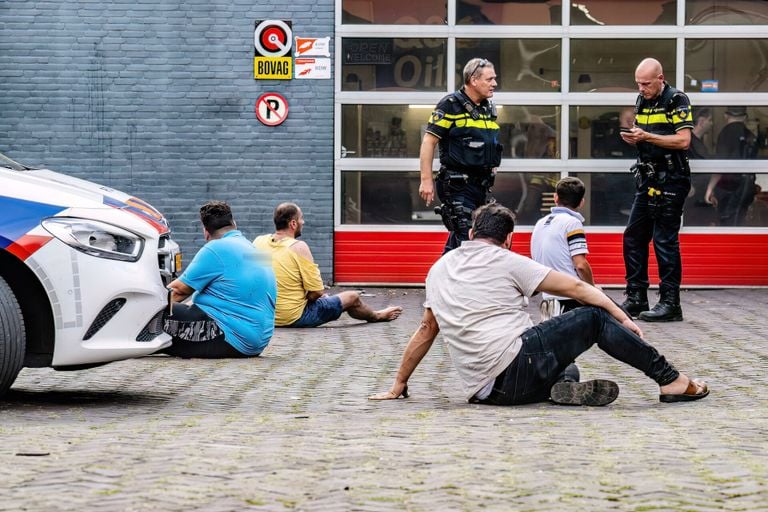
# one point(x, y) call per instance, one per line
point(396, 131)
point(376, 197)
point(529, 131)
point(726, 200)
point(608, 198)
point(608, 65)
point(594, 131)
point(726, 65)
point(626, 12)
point(394, 64)
point(384, 198)
point(724, 133)
point(393, 12)
point(730, 133)
point(383, 131)
point(522, 65)
point(494, 12)
point(718, 12)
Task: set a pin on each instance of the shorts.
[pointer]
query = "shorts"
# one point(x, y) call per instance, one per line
point(323, 310)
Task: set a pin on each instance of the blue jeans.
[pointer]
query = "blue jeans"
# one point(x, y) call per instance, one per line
point(552, 346)
point(319, 312)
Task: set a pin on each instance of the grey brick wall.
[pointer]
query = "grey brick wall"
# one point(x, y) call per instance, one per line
point(157, 99)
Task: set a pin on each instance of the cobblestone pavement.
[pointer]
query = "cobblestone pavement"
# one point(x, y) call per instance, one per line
point(292, 430)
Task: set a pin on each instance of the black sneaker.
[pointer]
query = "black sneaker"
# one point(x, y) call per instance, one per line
point(592, 392)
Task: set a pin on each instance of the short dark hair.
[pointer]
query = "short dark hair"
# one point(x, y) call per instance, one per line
point(493, 221)
point(700, 113)
point(284, 214)
point(570, 191)
point(216, 215)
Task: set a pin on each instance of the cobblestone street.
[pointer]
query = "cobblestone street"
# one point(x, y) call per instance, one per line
point(293, 430)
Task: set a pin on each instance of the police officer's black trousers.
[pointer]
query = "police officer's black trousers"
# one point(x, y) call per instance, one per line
point(472, 195)
point(658, 220)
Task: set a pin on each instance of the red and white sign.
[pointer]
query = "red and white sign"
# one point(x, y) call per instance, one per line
point(312, 68)
point(272, 38)
point(313, 46)
point(271, 109)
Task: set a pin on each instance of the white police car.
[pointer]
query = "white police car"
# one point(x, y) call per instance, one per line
point(83, 270)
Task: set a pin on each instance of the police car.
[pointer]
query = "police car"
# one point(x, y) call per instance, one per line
point(83, 270)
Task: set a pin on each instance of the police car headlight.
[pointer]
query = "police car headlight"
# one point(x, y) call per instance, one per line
point(96, 238)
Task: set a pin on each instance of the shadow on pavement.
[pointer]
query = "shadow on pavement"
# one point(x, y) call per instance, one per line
point(17, 398)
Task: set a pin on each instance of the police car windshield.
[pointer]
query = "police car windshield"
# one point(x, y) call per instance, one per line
point(10, 164)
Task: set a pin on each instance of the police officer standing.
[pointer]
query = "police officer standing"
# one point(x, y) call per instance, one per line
point(662, 134)
point(464, 126)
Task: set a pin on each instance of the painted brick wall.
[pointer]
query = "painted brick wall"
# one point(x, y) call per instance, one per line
point(157, 99)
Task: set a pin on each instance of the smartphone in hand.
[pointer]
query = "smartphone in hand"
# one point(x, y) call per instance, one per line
point(625, 130)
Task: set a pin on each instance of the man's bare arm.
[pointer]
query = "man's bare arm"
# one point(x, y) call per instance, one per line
point(417, 348)
point(561, 284)
point(678, 140)
point(302, 249)
point(583, 268)
point(426, 155)
point(180, 290)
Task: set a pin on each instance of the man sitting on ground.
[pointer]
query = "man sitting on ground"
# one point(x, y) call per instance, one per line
point(559, 242)
point(476, 295)
point(233, 293)
point(301, 297)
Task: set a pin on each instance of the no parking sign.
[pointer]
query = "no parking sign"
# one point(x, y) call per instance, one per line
point(271, 109)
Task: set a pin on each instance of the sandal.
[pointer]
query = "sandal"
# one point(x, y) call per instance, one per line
point(696, 390)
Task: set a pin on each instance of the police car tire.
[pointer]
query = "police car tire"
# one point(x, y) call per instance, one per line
point(12, 337)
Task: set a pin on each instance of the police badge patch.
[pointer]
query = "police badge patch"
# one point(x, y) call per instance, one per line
point(682, 113)
point(437, 115)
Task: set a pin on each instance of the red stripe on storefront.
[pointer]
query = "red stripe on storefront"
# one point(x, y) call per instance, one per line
point(405, 258)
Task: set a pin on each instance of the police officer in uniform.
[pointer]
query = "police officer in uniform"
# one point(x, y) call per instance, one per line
point(464, 127)
point(662, 134)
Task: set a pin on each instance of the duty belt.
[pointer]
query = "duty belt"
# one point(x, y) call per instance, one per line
point(484, 178)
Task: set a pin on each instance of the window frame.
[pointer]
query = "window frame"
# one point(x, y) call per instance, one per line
point(565, 99)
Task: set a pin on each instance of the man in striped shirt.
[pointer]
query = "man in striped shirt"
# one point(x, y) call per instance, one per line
point(558, 241)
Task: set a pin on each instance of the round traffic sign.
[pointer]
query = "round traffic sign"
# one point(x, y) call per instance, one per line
point(272, 38)
point(271, 109)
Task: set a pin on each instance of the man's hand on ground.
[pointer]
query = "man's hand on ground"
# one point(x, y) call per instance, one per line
point(398, 389)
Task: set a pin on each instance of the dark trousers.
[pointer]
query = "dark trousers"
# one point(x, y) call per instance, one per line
point(471, 195)
point(195, 334)
point(656, 219)
point(732, 205)
point(552, 346)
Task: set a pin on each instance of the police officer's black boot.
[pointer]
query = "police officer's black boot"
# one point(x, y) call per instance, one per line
point(666, 310)
point(636, 303)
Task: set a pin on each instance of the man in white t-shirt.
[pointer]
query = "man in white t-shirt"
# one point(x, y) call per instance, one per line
point(476, 295)
point(559, 242)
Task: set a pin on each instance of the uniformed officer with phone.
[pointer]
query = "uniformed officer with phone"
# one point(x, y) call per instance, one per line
point(662, 134)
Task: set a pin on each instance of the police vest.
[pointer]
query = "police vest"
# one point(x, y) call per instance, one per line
point(664, 115)
point(468, 133)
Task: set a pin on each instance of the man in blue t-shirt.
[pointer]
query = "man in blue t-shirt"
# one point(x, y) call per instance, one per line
point(233, 292)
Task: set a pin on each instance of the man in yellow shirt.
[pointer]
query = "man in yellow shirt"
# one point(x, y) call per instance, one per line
point(301, 297)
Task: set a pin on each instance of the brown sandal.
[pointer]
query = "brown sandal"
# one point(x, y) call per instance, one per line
point(696, 390)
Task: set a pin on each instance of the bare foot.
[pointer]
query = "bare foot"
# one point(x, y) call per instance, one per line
point(680, 385)
point(387, 314)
